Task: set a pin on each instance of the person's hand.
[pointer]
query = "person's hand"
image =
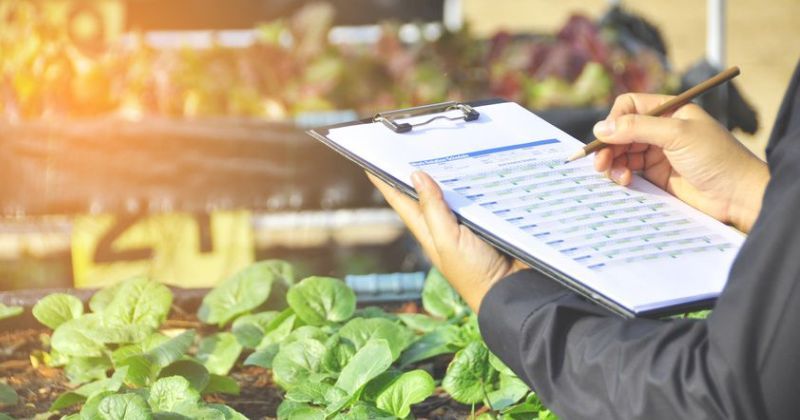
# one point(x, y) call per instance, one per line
point(471, 265)
point(686, 153)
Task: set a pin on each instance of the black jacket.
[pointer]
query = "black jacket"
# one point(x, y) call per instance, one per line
point(743, 362)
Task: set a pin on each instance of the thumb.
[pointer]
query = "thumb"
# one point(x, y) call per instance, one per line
point(442, 224)
point(635, 128)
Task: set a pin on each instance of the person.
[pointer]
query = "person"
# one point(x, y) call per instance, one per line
point(584, 362)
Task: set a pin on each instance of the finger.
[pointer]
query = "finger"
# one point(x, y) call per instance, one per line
point(603, 159)
point(404, 205)
point(619, 172)
point(441, 221)
point(607, 155)
point(633, 128)
point(638, 147)
point(621, 175)
point(618, 150)
point(411, 215)
point(635, 161)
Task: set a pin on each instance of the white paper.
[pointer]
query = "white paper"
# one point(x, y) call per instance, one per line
point(637, 246)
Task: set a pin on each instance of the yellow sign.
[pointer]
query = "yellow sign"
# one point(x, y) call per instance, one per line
point(179, 249)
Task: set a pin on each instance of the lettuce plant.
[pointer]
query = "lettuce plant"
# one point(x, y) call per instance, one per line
point(151, 374)
point(332, 359)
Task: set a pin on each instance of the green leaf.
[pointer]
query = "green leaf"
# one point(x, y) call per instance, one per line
point(698, 314)
point(218, 384)
point(306, 331)
point(81, 394)
point(172, 349)
point(219, 352)
point(374, 312)
point(469, 374)
point(90, 409)
point(442, 340)
point(86, 369)
point(243, 292)
point(279, 329)
point(510, 390)
point(297, 360)
point(421, 322)
point(103, 297)
point(139, 302)
point(337, 353)
point(322, 300)
point(228, 412)
point(521, 411)
point(78, 337)
point(57, 308)
point(124, 407)
point(10, 311)
point(407, 389)
point(67, 399)
point(8, 396)
point(250, 329)
point(4, 416)
point(547, 415)
point(264, 357)
point(470, 331)
point(440, 299)
point(375, 386)
point(364, 411)
point(174, 393)
point(290, 410)
point(143, 368)
point(369, 362)
point(151, 342)
point(309, 391)
point(192, 371)
point(359, 331)
point(283, 270)
point(161, 415)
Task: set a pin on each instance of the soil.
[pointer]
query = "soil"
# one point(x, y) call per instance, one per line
point(38, 386)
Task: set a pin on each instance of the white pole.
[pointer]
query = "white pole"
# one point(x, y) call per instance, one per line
point(715, 33)
point(715, 50)
point(453, 15)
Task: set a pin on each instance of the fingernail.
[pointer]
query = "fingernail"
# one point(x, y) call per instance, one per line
point(416, 179)
point(604, 128)
point(617, 173)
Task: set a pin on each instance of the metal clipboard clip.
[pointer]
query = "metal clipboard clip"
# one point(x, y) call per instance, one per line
point(389, 118)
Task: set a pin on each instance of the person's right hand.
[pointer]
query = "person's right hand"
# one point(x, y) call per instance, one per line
point(686, 153)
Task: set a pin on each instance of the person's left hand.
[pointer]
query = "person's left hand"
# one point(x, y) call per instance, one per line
point(471, 265)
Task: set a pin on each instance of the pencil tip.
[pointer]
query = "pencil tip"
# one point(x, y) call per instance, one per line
point(579, 154)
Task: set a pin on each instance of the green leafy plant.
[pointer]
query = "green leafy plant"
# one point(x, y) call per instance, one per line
point(333, 360)
point(151, 374)
point(338, 362)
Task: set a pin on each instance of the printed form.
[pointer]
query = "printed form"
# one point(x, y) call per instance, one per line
point(636, 245)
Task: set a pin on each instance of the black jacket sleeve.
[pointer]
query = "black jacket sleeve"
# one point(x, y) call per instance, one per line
point(743, 362)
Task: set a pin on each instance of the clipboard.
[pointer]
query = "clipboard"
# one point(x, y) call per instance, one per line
point(469, 112)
